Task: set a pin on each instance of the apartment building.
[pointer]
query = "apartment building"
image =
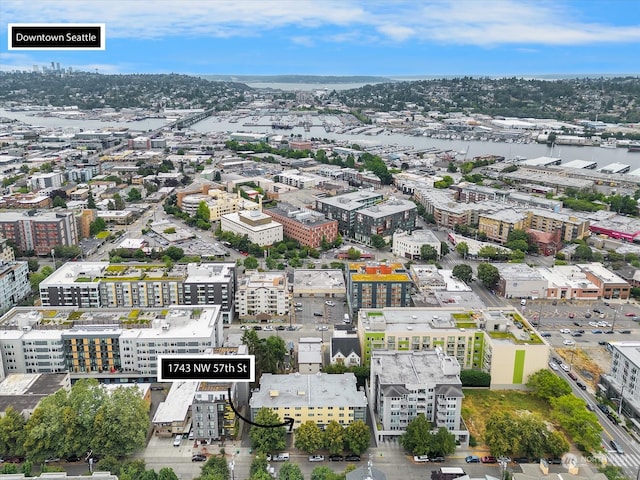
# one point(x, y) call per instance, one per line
point(343, 208)
point(39, 232)
point(404, 385)
point(320, 398)
point(296, 179)
point(100, 284)
point(622, 382)
point(383, 219)
point(372, 285)
point(263, 295)
point(482, 339)
point(259, 227)
point(409, 244)
point(112, 345)
point(219, 203)
point(6, 252)
point(14, 283)
point(306, 226)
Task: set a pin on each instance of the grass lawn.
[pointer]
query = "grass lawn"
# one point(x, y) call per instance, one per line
point(477, 405)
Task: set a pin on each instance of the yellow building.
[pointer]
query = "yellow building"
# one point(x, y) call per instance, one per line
point(319, 398)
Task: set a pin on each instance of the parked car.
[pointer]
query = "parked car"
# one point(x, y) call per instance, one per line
point(581, 385)
point(625, 332)
point(553, 366)
point(257, 327)
point(590, 407)
point(572, 376)
point(565, 367)
point(437, 459)
point(576, 334)
point(177, 441)
point(336, 458)
point(568, 342)
point(572, 315)
point(596, 331)
point(521, 460)
point(329, 303)
point(199, 458)
point(595, 310)
point(472, 459)
point(420, 458)
point(577, 324)
point(280, 327)
point(554, 461)
point(587, 315)
point(268, 328)
point(318, 314)
point(352, 458)
point(629, 314)
point(565, 330)
point(489, 459)
point(504, 459)
point(316, 458)
point(545, 334)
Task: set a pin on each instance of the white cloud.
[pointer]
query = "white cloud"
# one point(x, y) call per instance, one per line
point(466, 22)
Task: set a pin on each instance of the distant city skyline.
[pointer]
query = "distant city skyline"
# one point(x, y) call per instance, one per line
point(391, 39)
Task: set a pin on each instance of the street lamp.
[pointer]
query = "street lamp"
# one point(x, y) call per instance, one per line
point(615, 315)
point(53, 256)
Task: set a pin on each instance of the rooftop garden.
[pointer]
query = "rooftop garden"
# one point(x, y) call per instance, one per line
point(533, 338)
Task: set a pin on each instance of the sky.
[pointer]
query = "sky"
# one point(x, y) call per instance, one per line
point(393, 38)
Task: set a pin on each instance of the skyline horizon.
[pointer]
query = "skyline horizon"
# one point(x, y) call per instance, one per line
point(492, 38)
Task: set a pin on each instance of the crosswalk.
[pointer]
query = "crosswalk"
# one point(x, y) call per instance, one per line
point(631, 461)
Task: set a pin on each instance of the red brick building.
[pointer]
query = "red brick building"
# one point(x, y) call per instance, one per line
point(306, 226)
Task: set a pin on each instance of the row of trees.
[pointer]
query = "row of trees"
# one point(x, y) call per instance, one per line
point(335, 438)
point(567, 410)
point(134, 470)
point(488, 274)
point(269, 352)
point(73, 422)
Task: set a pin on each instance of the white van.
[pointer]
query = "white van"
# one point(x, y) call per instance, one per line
point(523, 302)
point(177, 441)
point(346, 318)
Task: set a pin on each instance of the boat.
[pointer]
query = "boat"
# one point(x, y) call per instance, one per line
point(634, 147)
point(609, 144)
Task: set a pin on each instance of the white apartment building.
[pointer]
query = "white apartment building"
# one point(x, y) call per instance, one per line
point(112, 345)
point(409, 244)
point(263, 293)
point(259, 227)
point(14, 283)
point(622, 383)
point(405, 384)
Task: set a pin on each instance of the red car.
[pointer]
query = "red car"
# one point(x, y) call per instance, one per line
point(572, 315)
point(489, 459)
point(629, 314)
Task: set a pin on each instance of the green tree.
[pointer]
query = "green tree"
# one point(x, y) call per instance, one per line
point(427, 252)
point(444, 249)
point(290, 471)
point(583, 252)
point(309, 437)
point(45, 431)
point(613, 472)
point(216, 468)
point(334, 437)
point(444, 443)
point(547, 385)
point(357, 437)
point(353, 253)
point(581, 424)
point(97, 226)
point(488, 275)
point(462, 272)
point(134, 195)
point(475, 378)
point(121, 423)
point(118, 202)
point(59, 202)
point(377, 241)
point(258, 464)
point(86, 397)
point(203, 211)
point(33, 264)
point(267, 439)
point(12, 433)
point(274, 350)
point(91, 202)
point(417, 438)
point(501, 433)
point(251, 263)
point(521, 245)
point(175, 253)
point(463, 249)
point(324, 473)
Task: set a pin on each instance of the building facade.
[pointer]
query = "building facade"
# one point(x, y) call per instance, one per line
point(14, 284)
point(100, 284)
point(39, 233)
point(259, 227)
point(409, 244)
point(320, 398)
point(343, 208)
point(111, 345)
point(306, 226)
point(404, 385)
point(623, 379)
point(263, 294)
point(378, 285)
point(384, 219)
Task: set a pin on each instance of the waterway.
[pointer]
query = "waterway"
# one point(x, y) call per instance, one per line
point(567, 153)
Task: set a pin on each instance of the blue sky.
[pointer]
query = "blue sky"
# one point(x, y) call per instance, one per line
point(344, 37)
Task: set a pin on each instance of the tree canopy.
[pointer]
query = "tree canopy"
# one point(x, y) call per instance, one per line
point(267, 440)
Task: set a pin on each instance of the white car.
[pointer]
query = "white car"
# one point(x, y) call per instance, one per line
point(316, 458)
point(322, 328)
point(568, 342)
point(593, 324)
point(565, 330)
point(553, 366)
point(268, 328)
point(329, 303)
point(602, 324)
point(565, 367)
point(420, 458)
